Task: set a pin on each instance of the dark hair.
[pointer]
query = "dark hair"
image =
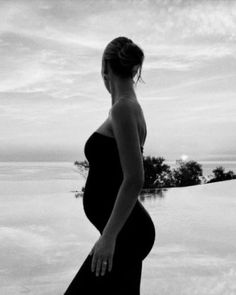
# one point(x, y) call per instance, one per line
point(123, 54)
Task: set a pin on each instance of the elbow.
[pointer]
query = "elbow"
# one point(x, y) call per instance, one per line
point(136, 181)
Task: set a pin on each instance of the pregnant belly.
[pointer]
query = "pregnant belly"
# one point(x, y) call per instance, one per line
point(137, 234)
point(98, 206)
point(99, 198)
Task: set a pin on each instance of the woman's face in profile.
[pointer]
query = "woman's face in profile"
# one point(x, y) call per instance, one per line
point(105, 76)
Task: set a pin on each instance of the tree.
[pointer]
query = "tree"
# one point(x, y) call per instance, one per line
point(83, 170)
point(220, 174)
point(157, 174)
point(230, 175)
point(188, 173)
point(83, 167)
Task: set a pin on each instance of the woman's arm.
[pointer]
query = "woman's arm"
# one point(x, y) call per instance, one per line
point(125, 128)
point(125, 201)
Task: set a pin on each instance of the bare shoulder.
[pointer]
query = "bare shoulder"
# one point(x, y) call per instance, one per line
point(124, 108)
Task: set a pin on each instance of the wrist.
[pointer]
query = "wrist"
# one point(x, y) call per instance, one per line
point(110, 236)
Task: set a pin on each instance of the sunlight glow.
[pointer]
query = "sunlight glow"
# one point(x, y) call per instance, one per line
point(184, 157)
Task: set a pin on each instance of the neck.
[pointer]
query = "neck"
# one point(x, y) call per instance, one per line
point(122, 89)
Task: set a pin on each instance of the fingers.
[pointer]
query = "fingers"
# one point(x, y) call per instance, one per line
point(104, 266)
point(94, 261)
point(98, 265)
point(110, 263)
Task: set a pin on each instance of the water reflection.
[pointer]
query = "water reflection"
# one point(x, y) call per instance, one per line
point(151, 193)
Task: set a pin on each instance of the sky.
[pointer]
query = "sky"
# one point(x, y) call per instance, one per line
point(52, 96)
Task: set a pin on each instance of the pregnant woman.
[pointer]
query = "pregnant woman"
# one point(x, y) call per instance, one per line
point(115, 179)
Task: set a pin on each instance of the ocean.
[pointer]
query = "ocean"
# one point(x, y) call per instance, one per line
point(67, 170)
point(45, 235)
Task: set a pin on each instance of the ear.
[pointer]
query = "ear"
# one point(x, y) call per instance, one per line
point(106, 77)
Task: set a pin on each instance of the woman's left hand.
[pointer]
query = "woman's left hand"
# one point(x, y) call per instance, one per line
point(103, 251)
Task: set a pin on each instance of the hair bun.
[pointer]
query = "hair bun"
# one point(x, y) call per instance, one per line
point(124, 57)
point(129, 55)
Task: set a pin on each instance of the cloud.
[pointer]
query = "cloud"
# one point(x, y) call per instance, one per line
point(53, 44)
point(51, 56)
point(179, 53)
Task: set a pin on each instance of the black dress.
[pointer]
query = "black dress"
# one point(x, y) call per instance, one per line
point(134, 241)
